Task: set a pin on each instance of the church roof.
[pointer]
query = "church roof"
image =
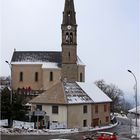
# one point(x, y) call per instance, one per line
point(71, 93)
point(36, 56)
point(48, 59)
point(69, 13)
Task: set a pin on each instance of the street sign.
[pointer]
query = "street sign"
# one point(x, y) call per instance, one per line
point(39, 113)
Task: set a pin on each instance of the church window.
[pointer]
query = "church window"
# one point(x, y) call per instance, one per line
point(36, 76)
point(21, 76)
point(69, 55)
point(67, 37)
point(71, 37)
point(81, 77)
point(51, 76)
point(69, 13)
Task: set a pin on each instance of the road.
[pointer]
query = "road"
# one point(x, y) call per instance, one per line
point(122, 129)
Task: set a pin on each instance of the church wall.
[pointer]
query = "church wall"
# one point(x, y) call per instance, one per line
point(28, 76)
point(81, 69)
point(69, 54)
point(46, 77)
point(69, 71)
point(76, 115)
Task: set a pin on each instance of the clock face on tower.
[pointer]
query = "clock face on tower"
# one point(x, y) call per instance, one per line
point(68, 27)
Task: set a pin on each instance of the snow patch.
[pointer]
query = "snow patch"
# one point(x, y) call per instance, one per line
point(4, 122)
point(21, 125)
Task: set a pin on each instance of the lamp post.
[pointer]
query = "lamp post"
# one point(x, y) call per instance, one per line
point(10, 81)
point(10, 121)
point(135, 95)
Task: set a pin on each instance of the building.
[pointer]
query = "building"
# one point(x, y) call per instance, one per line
point(40, 70)
point(66, 99)
point(74, 105)
point(133, 113)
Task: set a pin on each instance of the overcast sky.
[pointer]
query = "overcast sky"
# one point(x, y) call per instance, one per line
point(108, 35)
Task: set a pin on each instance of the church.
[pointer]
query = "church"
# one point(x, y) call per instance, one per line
point(66, 99)
point(40, 70)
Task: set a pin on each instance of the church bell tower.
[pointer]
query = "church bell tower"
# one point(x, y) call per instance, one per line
point(69, 42)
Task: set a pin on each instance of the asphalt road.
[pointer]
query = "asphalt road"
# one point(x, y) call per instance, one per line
point(122, 129)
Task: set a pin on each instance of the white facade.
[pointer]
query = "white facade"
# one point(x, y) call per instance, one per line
point(56, 120)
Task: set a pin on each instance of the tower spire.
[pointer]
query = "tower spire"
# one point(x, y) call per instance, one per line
point(69, 42)
point(69, 13)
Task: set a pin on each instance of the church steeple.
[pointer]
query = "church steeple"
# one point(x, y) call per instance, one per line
point(69, 42)
point(69, 13)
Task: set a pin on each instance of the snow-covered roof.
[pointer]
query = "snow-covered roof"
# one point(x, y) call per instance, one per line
point(36, 56)
point(65, 92)
point(75, 94)
point(50, 65)
point(40, 57)
point(47, 65)
point(96, 94)
point(26, 63)
point(79, 62)
point(134, 110)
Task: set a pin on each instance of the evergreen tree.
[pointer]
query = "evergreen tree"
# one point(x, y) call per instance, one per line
point(15, 110)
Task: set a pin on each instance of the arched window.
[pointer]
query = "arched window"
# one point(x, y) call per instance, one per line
point(67, 37)
point(81, 77)
point(69, 55)
point(71, 37)
point(51, 76)
point(36, 76)
point(21, 76)
point(69, 13)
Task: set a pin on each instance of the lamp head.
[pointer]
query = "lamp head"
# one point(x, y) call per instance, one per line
point(129, 71)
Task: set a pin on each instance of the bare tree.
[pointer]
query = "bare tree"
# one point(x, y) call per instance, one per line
point(114, 93)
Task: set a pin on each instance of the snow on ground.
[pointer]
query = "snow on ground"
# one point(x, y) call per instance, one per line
point(120, 115)
point(4, 122)
point(135, 131)
point(18, 131)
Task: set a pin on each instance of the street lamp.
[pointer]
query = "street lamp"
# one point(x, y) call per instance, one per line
point(10, 81)
point(135, 95)
point(10, 121)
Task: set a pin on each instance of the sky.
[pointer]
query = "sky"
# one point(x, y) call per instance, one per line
point(108, 35)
